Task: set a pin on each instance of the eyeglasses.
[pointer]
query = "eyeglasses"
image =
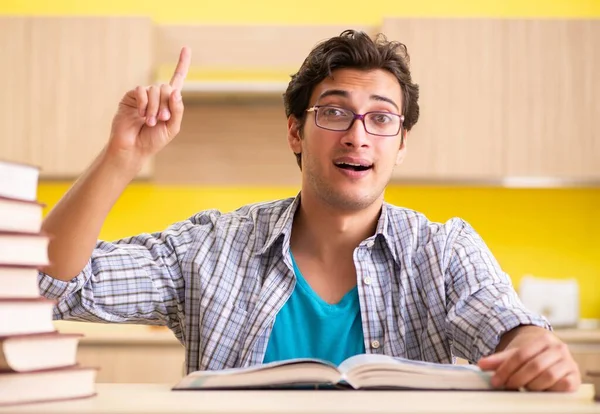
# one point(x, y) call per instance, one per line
point(380, 123)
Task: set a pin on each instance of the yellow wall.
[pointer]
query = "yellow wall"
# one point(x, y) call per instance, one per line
point(306, 11)
point(551, 233)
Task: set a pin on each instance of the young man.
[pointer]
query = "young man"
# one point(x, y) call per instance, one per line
point(333, 272)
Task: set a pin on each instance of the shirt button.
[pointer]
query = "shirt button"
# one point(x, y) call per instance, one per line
point(367, 280)
point(375, 344)
point(370, 243)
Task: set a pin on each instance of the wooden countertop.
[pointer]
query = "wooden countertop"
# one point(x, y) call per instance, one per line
point(584, 336)
point(140, 334)
point(113, 334)
point(159, 399)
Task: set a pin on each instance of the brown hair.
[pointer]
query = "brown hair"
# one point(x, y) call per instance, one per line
point(352, 49)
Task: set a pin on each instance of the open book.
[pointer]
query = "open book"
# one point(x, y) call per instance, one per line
point(358, 372)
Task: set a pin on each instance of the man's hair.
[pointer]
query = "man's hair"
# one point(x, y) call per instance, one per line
point(355, 50)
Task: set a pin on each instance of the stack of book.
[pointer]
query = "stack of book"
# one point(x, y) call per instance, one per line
point(37, 363)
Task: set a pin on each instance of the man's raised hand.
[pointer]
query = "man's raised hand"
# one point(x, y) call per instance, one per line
point(149, 117)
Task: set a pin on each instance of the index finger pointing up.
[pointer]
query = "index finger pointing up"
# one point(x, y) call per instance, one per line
point(185, 57)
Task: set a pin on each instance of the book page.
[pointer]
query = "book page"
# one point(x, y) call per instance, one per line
point(385, 371)
point(294, 371)
point(409, 365)
point(261, 367)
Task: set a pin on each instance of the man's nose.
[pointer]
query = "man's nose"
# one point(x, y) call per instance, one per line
point(357, 136)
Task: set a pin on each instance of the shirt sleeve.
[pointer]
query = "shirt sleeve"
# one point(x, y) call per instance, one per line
point(137, 279)
point(482, 304)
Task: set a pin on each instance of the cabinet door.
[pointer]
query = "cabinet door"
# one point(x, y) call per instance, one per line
point(134, 363)
point(503, 98)
point(14, 72)
point(553, 99)
point(80, 69)
point(587, 357)
point(458, 66)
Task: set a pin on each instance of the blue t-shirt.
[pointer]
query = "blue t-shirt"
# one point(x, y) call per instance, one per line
point(308, 327)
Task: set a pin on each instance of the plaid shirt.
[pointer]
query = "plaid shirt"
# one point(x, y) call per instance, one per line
point(428, 291)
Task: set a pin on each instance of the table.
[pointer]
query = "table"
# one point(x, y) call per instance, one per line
point(159, 399)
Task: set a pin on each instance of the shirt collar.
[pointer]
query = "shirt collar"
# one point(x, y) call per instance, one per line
point(283, 228)
point(383, 231)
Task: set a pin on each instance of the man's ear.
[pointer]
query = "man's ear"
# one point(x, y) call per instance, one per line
point(402, 151)
point(294, 138)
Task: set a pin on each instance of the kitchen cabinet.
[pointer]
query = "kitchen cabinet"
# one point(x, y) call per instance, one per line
point(229, 144)
point(234, 130)
point(588, 359)
point(584, 345)
point(65, 77)
point(457, 66)
point(552, 99)
point(128, 353)
point(503, 100)
point(145, 354)
point(134, 360)
point(225, 48)
point(15, 67)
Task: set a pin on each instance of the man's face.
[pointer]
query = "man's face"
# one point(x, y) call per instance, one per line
point(350, 169)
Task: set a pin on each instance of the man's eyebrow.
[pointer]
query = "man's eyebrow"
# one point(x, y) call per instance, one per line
point(385, 99)
point(345, 94)
point(334, 92)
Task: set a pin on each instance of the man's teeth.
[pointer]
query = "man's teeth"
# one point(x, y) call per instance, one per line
point(353, 166)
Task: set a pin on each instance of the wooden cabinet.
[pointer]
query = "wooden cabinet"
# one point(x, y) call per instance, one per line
point(460, 129)
point(65, 77)
point(585, 348)
point(503, 98)
point(144, 354)
point(237, 143)
point(503, 101)
point(128, 353)
point(587, 357)
point(552, 99)
point(134, 361)
point(15, 67)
